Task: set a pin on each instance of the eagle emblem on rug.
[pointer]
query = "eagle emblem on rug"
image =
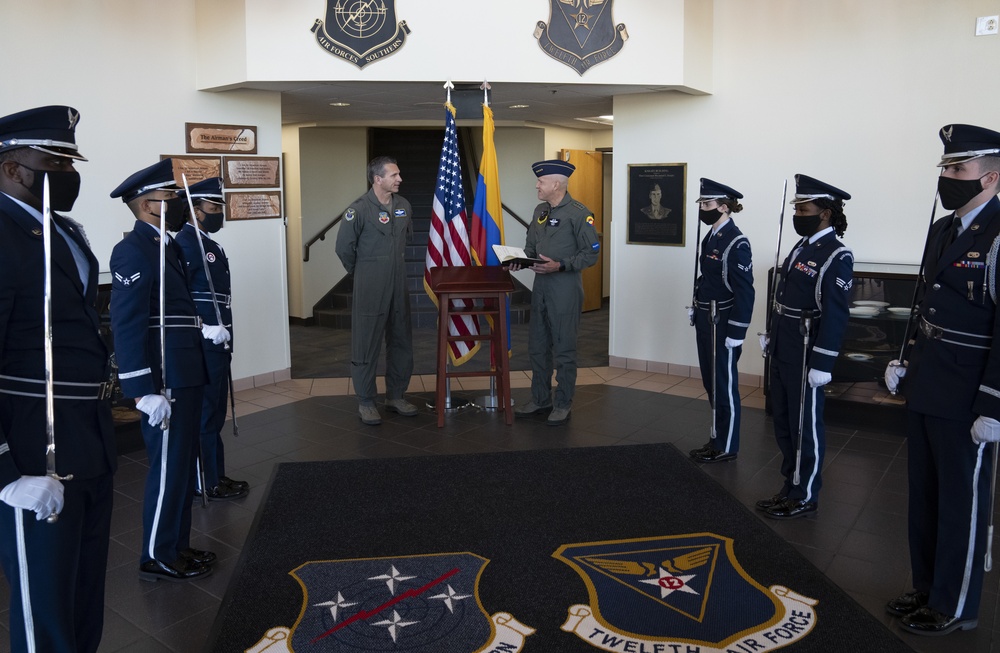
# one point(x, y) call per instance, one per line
point(416, 604)
point(650, 594)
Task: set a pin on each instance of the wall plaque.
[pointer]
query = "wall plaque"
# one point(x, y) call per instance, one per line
point(245, 205)
point(204, 137)
point(194, 168)
point(251, 171)
point(656, 203)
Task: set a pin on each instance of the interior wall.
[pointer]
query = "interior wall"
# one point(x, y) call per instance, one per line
point(852, 92)
point(134, 96)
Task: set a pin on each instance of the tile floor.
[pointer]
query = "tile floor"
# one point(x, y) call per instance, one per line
point(858, 538)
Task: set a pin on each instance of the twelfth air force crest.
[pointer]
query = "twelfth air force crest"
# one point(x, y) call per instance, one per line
point(360, 31)
point(580, 33)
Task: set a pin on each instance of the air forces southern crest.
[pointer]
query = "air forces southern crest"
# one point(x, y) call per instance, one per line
point(669, 593)
point(360, 31)
point(580, 33)
point(417, 604)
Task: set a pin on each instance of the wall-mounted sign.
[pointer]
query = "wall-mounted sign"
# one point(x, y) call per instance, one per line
point(239, 139)
point(251, 171)
point(253, 206)
point(360, 31)
point(194, 168)
point(580, 34)
point(656, 203)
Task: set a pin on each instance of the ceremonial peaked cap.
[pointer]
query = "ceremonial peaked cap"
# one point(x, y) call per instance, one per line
point(209, 190)
point(159, 176)
point(553, 167)
point(49, 129)
point(967, 142)
point(808, 189)
point(713, 190)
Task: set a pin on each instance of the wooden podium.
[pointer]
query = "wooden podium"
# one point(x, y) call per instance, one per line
point(491, 283)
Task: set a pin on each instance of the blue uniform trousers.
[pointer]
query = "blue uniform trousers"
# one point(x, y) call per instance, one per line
point(786, 389)
point(213, 415)
point(727, 391)
point(166, 510)
point(949, 512)
point(37, 559)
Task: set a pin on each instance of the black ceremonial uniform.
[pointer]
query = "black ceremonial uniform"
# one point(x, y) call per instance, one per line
point(564, 233)
point(57, 562)
point(953, 376)
point(135, 296)
point(726, 277)
point(817, 277)
point(371, 244)
point(217, 357)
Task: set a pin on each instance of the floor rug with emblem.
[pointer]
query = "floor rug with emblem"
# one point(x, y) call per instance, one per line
point(626, 548)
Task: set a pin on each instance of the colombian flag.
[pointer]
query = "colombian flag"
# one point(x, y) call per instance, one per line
point(487, 211)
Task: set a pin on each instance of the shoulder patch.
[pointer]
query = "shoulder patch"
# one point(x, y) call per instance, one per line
point(590, 219)
point(350, 214)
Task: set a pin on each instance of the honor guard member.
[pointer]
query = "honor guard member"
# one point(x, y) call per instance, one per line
point(952, 389)
point(371, 244)
point(55, 570)
point(209, 209)
point(811, 303)
point(727, 279)
point(562, 234)
point(174, 412)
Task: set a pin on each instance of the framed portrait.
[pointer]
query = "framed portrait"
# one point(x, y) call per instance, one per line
point(656, 203)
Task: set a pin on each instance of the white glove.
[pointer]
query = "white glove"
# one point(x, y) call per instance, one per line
point(156, 406)
point(691, 314)
point(765, 340)
point(216, 333)
point(894, 373)
point(985, 429)
point(42, 494)
point(732, 343)
point(819, 379)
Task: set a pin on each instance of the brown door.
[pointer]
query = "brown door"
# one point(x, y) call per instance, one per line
point(587, 187)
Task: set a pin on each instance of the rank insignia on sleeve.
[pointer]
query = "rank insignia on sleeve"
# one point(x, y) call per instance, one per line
point(127, 281)
point(383, 217)
point(349, 214)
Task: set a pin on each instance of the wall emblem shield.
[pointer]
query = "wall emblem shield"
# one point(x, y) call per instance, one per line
point(677, 593)
point(360, 31)
point(580, 33)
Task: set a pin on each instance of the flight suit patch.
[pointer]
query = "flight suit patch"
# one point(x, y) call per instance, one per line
point(383, 217)
point(400, 213)
point(349, 214)
point(590, 219)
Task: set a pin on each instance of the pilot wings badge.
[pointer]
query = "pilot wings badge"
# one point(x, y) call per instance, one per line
point(580, 33)
point(669, 593)
point(417, 604)
point(360, 31)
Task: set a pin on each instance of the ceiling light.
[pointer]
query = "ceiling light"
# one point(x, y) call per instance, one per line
point(608, 118)
point(340, 104)
point(518, 106)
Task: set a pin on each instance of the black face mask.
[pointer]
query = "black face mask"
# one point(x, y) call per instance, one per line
point(175, 212)
point(709, 217)
point(64, 187)
point(212, 222)
point(956, 193)
point(806, 225)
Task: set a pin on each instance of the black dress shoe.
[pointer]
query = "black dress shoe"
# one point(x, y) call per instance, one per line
point(198, 556)
point(928, 621)
point(904, 604)
point(225, 480)
point(764, 504)
point(791, 509)
point(705, 448)
point(180, 571)
point(223, 493)
point(712, 456)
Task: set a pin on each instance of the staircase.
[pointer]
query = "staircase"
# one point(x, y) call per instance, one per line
point(418, 152)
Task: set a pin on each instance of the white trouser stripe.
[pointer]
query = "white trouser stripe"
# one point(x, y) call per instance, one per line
point(22, 570)
point(164, 442)
point(970, 552)
point(815, 442)
point(729, 394)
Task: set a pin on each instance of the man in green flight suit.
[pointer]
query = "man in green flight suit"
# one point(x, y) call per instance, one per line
point(371, 244)
point(563, 236)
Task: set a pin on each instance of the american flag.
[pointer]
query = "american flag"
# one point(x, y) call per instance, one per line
point(449, 240)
